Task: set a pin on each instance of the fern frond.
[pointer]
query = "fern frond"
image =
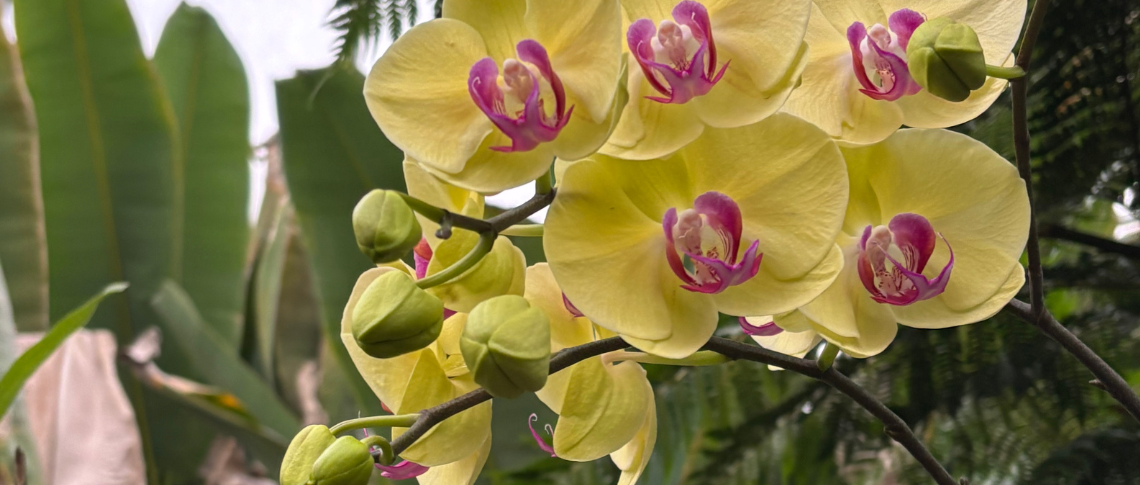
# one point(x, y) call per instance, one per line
point(362, 22)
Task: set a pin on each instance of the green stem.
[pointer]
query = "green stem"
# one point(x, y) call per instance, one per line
point(701, 358)
point(524, 230)
point(386, 455)
point(1012, 72)
point(543, 184)
point(830, 352)
point(400, 421)
point(425, 209)
point(486, 241)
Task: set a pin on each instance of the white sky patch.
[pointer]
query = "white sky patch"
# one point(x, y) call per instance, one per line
point(8, 21)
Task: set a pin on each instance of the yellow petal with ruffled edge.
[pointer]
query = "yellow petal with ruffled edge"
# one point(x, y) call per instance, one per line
point(648, 129)
point(935, 313)
point(604, 241)
point(846, 315)
point(737, 100)
point(489, 171)
point(790, 182)
point(584, 40)
point(417, 94)
point(601, 408)
point(428, 188)
point(543, 292)
point(499, 23)
point(761, 38)
point(632, 458)
point(456, 437)
point(970, 195)
point(461, 472)
point(413, 382)
point(582, 137)
point(500, 272)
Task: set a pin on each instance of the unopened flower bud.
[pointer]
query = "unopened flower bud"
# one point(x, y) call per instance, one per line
point(345, 462)
point(303, 451)
point(394, 317)
point(386, 228)
point(506, 345)
point(945, 58)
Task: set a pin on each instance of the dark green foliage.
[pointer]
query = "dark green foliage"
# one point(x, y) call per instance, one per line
point(362, 22)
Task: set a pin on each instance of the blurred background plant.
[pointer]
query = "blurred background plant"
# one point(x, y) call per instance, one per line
point(116, 167)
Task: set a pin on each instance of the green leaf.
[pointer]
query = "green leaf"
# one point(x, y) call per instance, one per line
point(267, 291)
point(215, 364)
point(23, 247)
point(107, 153)
point(206, 83)
point(333, 154)
point(30, 360)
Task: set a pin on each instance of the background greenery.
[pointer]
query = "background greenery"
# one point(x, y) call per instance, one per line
point(118, 167)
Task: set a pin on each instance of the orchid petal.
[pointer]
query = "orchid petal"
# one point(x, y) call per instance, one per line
point(428, 188)
point(650, 129)
point(462, 472)
point(997, 22)
point(543, 292)
point(846, 315)
point(499, 22)
point(414, 85)
point(970, 195)
point(632, 458)
point(602, 408)
point(584, 42)
point(936, 313)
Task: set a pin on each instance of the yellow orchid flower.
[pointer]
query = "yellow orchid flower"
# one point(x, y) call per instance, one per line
point(931, 240)
point(416, 381)
point(715, 63)
point(603, 408)
point(500, 272)
point(653, 250)
point(857, 86)
point(554, 95)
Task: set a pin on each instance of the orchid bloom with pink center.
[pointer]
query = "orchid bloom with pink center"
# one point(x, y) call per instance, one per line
point(740, 220)
point(705, 63)
point(931, 239)
point(487, 96)
point(858, 85)
point(902, 283)
point(703, 243)
point(679, 58)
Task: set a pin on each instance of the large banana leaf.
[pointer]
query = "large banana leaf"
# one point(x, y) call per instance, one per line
point(207, 87)
point(22, 241)
point(333, 154)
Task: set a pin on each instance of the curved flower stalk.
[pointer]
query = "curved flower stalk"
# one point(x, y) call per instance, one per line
point(604, 408)
point(456, 449)
point(715, 63)
point(486, 96)
point(741, 221)
point(931, 239)
point(500, 272)
point(857, 85)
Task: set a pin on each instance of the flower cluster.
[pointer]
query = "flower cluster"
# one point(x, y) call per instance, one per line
point(712, 157)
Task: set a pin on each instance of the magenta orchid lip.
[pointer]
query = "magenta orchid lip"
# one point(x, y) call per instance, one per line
point(883, 52)
point(902, 283)
point(709, 266)
point(524, 78)
point(679, 58)
point(769, 329)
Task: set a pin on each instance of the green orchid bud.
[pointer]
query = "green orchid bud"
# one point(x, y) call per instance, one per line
point(945, 58)
point(386, 228)
point(506, 345)
point(394, 317)
point(345, 462)
point(303, 451)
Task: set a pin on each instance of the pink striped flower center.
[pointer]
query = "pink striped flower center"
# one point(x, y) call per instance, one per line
point(518, 101)
point(678, 56)
point(892, 258)
point(702, 245)
point(879, 56)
